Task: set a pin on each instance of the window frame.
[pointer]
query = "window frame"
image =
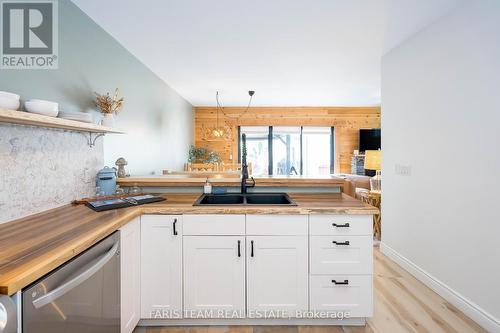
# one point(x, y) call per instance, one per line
point(270, 149)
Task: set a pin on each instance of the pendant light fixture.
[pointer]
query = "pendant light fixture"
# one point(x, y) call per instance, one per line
point(220, 131)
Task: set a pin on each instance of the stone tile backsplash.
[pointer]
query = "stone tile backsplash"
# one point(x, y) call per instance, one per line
point(44, 168)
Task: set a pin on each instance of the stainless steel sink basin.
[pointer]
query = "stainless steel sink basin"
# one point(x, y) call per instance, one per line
point(231, 199)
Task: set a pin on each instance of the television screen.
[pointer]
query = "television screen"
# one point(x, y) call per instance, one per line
point(369, 139)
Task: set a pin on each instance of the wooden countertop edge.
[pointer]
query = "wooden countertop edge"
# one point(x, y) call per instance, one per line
point(63, 253)
point(254, 210)
point(260, 182)
point(52, 258)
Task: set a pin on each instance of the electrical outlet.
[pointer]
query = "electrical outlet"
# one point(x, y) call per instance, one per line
point(403, 170)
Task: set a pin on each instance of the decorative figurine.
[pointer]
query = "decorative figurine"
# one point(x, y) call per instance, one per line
point(120, 163)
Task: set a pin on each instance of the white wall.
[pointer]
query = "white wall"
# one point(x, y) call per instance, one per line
point(158, 121)
point(441, 116)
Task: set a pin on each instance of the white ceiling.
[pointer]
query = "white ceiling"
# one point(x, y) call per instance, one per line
point(291, 52)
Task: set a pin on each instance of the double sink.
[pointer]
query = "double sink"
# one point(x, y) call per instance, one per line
point(232, 199)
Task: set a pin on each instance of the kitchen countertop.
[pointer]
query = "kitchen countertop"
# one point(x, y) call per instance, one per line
point(33, 246)
point(231, 180)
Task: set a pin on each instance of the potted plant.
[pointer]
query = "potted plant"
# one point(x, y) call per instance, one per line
point(203, 155)
point(109, 106)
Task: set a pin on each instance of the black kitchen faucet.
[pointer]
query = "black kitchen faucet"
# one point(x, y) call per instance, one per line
point(244, 165)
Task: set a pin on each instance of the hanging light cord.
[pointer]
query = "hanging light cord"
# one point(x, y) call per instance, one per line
point(251, 93)
point(218, 107)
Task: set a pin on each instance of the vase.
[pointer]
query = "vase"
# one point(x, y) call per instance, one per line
point(108, 120)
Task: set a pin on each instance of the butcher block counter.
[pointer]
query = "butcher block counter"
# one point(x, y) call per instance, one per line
point(196, 180)
point(33, 246)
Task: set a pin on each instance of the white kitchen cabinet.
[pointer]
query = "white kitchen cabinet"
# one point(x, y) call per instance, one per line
point(349, 294)
point(341, 254)
point(161, 266)
point(341, 225)
point(277, 274)
point(130, 267)
point(214, 276)
point(214, 224)
point(282, 225)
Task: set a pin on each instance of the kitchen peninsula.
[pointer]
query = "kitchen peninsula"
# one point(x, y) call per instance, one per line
point(174, 235)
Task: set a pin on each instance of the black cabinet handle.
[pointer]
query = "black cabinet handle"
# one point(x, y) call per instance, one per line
point(346, 282)
point(341, 243)
point(173, 227)
point(251, 248)
point(345, 225)
point(239, 248)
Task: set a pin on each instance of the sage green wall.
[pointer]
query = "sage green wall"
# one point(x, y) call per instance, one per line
point(158, 121)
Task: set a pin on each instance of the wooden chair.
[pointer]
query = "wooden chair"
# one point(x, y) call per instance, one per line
point(195, 167)
point(235, 167)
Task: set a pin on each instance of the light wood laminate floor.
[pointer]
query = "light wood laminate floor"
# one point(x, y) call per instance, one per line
point(402, 304)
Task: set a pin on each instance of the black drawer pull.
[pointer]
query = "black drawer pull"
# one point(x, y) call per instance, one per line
point(239, 248)
point(251, 248)
point(345, 225)
point(173, 227)
point(341, 243)
point(346, 282)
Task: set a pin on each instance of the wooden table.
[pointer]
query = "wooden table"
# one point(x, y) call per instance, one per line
point(374, 199)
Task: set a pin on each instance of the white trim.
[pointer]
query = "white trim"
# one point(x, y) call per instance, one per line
point(254, 322)
point(476, 313)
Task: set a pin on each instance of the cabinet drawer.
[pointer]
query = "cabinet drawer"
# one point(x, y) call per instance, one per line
point(214, 225)
point(281, 225)
point(351, 294)
point(341, 225)
point(171, 222)
point(341, 254)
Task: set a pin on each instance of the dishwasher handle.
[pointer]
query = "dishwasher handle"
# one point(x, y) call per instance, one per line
point(77, 280)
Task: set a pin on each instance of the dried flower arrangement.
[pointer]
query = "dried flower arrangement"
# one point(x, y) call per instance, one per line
point(108, 104)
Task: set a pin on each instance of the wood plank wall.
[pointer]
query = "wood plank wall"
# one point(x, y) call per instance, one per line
point(346, 120)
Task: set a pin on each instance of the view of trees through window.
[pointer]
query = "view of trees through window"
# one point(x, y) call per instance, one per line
point(257, 148)
point(290, 150)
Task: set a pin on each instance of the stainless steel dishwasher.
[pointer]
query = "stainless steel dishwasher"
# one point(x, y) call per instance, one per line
point(82, 296)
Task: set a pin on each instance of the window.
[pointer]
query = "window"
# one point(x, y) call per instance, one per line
point(257, 148)
point(316, 143)
point(286, 151)
point(289, 150)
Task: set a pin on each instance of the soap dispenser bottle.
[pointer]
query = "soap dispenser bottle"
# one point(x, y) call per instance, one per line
point(207, 189)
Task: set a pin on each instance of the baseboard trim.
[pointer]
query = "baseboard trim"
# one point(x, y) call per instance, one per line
point(476, 313)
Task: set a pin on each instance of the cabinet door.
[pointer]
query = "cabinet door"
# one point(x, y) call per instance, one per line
point(161, 266)
point(214, 276)
point(130, 267)
point(277, 274)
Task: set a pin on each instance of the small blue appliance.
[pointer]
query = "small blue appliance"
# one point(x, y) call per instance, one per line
point(106, 180)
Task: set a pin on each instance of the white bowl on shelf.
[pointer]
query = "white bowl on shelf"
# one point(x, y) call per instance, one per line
point(78, 116)
point(42, 107)
point(9, 103)
point(44, 102)
point(9, 95)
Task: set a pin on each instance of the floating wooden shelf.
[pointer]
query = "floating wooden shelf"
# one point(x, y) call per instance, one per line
point(33, 119)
